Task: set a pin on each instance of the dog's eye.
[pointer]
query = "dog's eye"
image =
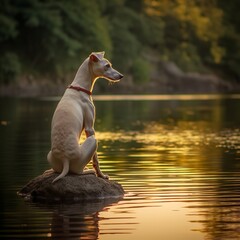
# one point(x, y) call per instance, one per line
point(107, 66)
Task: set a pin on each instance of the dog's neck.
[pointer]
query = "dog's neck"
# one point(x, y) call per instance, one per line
point(84, 77)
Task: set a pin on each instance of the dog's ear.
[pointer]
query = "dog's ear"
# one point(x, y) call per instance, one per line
point(93, 57)
point(96, 56)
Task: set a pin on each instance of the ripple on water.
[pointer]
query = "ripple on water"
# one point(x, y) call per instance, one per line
point(178, 164)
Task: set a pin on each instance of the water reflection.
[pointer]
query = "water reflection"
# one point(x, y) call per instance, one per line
point(74, 227)
point(185, 159)
point(177, 157)
point(75, 221)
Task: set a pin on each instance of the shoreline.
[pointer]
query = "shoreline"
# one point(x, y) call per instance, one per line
point(154, 88)
point(165, 78)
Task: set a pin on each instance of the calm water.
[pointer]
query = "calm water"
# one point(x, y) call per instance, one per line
point(177, 157)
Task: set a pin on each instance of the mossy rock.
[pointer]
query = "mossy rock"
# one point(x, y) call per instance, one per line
point(70, 189)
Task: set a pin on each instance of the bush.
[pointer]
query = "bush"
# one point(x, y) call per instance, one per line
point(10, 67)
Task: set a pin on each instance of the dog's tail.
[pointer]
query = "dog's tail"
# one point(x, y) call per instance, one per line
point(64, 171)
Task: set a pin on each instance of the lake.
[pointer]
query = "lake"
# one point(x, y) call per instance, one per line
point(177, 157)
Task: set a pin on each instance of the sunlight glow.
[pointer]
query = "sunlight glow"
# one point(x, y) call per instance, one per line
point(166, 216)
point(165, 97)
point(152, 97)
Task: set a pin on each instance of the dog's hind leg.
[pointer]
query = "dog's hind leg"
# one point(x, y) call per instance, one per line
point(49, 158)
point(64, 171)
point(61, 167)
point(86, 152)
point(57, 166)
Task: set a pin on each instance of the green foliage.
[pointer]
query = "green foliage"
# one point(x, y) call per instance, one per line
point(9, 68)
point(187, 58)
point(8, 28)
point(140, 71)
point(53, 37)
point(231, 39)
point(125, 43)
point(8, 24)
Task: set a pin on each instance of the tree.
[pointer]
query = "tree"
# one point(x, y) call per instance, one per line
point(231, 39)
point(190, 27)
point(52, 36)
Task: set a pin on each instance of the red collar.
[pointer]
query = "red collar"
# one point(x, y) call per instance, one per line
point(79, 89)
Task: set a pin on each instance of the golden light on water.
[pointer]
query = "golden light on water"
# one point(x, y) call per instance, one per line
point(156, 223)
point(155, 137)
point(164, 97)
point(170, 166)
point(177, 157)
point(165, 167)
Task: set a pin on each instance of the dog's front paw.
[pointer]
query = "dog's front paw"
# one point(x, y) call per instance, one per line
point(49, 171)
point(106, 177)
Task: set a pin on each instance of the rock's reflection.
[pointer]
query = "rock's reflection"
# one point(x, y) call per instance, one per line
point(76, 221)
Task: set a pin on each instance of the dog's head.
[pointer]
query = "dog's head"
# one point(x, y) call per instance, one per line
point(101, 67)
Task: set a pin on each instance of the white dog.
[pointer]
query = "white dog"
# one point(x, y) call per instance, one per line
point(75, 113)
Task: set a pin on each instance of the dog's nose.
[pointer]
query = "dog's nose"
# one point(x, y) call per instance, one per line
point(120, 76)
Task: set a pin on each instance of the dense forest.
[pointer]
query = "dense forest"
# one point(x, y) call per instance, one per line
point(50, 38)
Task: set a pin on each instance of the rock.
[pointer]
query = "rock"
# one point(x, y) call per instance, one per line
point(70, 189)
point(168, 78)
